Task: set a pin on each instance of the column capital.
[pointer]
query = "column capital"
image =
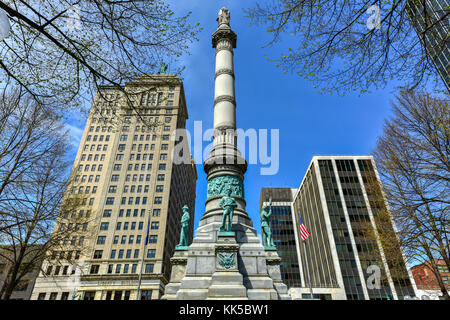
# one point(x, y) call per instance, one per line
point(224, 33)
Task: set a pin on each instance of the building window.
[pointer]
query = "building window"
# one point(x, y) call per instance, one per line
point(104, 226)
point(158, 200)
point(89, 295)
point(156, 212)
point(94, 269)
point(53, 296)
point(151, 253)
point(41, 296)
point(149, 268)
point(101, 239)
point(98, 254)
point(64, 296)
point(118, 294)
point(155, 225)
point(146, 294)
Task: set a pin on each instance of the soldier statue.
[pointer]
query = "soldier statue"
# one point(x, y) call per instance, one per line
point(163, 69)
point(184, 228)
point(265, 224)
point(227, 203)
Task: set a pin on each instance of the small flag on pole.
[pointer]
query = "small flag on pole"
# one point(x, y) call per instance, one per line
point(303, 231)
point(148, 229)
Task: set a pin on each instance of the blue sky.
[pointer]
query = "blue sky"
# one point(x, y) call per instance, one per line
point(309, 123)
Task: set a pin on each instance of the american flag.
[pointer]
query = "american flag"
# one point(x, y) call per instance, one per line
point(303, 231)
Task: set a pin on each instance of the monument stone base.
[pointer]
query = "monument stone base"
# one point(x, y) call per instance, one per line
point(226, 266)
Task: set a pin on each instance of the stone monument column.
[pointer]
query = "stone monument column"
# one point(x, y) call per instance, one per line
point(225, 261)
point(225, 167)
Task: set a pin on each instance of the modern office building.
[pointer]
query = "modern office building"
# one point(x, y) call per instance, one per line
point(127, 183)
point(432, 24)
point(339, 200)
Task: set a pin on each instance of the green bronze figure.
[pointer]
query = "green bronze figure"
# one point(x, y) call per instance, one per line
point(265, 224)
point(184, 229)
point(163, 68)
point(227, 203)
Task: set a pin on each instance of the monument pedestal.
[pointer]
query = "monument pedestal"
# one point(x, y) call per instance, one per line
point(178, 262)
point(227, 281)
point(228, 267)
point(273, 261)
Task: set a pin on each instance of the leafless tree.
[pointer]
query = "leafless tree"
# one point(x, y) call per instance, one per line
point(33, 178)
point(412, 156)
point(355, 45)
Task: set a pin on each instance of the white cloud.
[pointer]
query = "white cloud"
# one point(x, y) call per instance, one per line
point(75, 135)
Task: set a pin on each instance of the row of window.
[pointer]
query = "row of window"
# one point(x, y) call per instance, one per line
point(139, 156)
point(117, 295)
point(128, 254)
point(92, 168)
point(123, 240)
point(134, 200)
point(85, 177)
point(137, 166)
point(73, 241)
point(53, 296)
point(73, 226)
point(138, 188)
point(89, 157)
point(149, 267)
point(58, 269)
point(82, 190)
point(94, 147)
point(141, 137)
point(68, 255)
point(98, 138)
point(104, 226)
point(128, 212)
point(98, 128)
point(139, 147)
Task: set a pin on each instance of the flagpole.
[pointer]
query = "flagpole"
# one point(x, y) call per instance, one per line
point(142, 259)
point(307, 271)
